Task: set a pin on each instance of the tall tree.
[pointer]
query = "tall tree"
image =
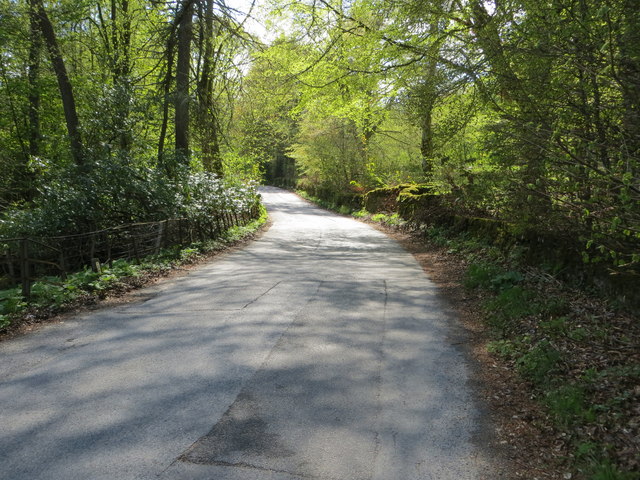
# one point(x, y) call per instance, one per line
point(35, 48)
point(183, 73)
point(207, 109)
point(64, 84)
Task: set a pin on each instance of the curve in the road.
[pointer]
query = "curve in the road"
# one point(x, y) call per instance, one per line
point(320, 351)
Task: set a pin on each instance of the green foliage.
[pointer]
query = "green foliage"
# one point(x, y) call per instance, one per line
point(555, 326)
point(244, 168)
point(506, 280)
point(362, 213)
point(107, 194)
point(490, 276)
point(568, 405)
point(393, 219)
point(49, 291)
point(504, 348)
point(509, 305)
point(539, 362)
point(11, 302)
point(237, 233)
point(188, 255)
point(438, 235)
point(265, 126)
point(606, 471)
point(481, 275)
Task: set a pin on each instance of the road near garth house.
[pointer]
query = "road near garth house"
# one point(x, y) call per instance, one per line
point(319, 351)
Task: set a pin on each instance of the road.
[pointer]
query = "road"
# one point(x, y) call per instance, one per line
point(320, 351)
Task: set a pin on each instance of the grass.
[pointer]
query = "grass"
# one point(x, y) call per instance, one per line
point(53, 294)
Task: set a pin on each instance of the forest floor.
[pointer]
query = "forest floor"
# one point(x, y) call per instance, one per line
point(526, 434)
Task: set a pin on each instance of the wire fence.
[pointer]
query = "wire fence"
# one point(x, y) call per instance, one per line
point(23, 260)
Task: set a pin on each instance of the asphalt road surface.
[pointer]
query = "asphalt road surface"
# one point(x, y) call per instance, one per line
point(319, 351)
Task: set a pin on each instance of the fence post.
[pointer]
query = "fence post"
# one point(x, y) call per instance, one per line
point(95, 265)
point(12, 272)
point(61, 265)
point(218, 227)
point(109, 259)
point(92, 248)
point(136, 255)
point(161, 228)
point(24, 268)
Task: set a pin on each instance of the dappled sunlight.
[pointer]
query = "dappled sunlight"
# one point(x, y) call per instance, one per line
point(319, 351)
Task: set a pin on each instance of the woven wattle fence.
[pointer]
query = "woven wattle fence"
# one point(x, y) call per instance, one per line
point(22, 260)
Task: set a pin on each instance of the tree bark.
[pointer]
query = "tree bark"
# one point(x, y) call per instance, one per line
point(35, 48)
point(183, 70)
point(64, 84)
point(121, 40)
point(206, 107)
point(166, 90)
point(427, 104)
point(121, 68)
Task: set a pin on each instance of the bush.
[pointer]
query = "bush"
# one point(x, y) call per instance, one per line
point(538, 362)
point(111, 193)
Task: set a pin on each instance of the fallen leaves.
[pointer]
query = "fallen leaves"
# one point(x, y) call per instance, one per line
point(600, 352)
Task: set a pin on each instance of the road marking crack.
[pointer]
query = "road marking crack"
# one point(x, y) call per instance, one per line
point(261, 295)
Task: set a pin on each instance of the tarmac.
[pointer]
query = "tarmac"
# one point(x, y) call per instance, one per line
point(320, 351)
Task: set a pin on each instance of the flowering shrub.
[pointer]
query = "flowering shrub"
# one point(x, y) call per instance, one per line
point(206, 194)
point(108, 194)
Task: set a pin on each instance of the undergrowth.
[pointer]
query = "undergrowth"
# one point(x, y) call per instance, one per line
point(53, 294)
point(578, 355)
point(334, 207)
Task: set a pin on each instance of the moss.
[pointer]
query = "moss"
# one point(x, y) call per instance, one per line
point(554, 251)
point(384, 199)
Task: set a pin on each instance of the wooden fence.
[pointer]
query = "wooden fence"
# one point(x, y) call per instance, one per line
point(22, 260)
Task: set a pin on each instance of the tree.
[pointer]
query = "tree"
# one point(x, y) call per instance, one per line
point(184, 22)
point(64, 84)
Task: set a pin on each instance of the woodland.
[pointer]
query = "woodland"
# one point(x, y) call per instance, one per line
point(517, 118)
point(523, 111)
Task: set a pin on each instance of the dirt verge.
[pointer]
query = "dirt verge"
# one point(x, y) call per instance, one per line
point(125, 291)
point(526, 447)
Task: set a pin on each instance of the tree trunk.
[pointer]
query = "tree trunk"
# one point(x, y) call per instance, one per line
point(64, 84)
point(183, 70)
point(427, 103)
point(121, 40)
point(428, 100)
point(629, 73)
point(121, 69)
point(426, 141)
point(166, 90)
point(35, 48)
point(206, 108)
